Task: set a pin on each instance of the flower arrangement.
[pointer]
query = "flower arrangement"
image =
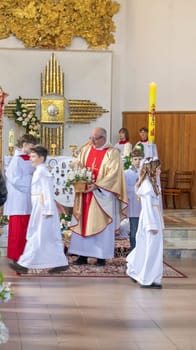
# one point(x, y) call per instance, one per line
point(5, 289)
point(127, 162)
point(26, 118)
point(4, 220)
point(5, 295)
point(65, 221)
point(78, 174)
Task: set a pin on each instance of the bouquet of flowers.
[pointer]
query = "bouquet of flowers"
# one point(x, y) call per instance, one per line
point(26, 118)
point(78, 175)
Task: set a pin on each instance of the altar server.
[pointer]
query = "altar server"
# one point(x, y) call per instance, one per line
point(18, 205)
point(44, 248)
point(124, 145)
point(145, 262)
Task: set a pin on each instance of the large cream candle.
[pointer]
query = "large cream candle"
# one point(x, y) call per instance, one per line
point(151, 118)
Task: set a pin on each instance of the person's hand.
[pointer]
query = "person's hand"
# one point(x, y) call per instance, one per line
point(90, 188)
point(154, 232)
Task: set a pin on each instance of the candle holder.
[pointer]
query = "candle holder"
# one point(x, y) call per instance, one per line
point(53, 148)
point(11, 151)
point(73, 149)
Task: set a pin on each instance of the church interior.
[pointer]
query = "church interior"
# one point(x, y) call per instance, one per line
point(72, 75)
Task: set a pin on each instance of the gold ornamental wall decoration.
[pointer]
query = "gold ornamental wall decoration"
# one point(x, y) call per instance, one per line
point(53, 24)
point(55, 109)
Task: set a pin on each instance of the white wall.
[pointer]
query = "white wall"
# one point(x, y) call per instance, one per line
point(155, 41)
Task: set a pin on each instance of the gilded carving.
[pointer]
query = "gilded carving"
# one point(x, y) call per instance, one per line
point(54, 23)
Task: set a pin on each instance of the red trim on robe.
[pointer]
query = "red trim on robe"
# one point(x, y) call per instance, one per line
point(123, 142)
point(144, 141)
point(93, 162)
point(24, 156)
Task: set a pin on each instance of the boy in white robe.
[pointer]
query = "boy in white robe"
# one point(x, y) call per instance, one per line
point(44, 248)
point(18, 205)
point(124, 144)
point(145, 262)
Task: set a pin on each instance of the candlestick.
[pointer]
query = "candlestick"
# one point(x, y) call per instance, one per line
point(53, 148)
point(151, 118)
point(11, 138)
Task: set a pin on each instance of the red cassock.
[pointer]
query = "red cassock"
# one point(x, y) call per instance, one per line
point(18, 204)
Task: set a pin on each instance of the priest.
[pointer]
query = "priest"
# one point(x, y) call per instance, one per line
point(97, 212)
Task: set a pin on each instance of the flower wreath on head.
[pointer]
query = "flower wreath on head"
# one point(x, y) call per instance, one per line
point(149, 160)
point(26, 118)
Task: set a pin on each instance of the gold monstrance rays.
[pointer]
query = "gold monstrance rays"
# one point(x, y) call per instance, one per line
point(52, 80)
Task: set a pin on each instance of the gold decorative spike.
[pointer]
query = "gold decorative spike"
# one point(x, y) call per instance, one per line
point(52, 79)
point(84, 111)
point(11, 106)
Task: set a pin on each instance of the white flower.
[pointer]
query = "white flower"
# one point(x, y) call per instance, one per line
point(26, 118)
point(77, 174)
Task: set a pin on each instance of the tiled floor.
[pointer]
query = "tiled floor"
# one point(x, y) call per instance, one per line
point(101, 314)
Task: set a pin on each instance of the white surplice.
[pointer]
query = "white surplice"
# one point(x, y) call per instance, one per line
point(145, 262)
point(18, 180)
point(44, 247)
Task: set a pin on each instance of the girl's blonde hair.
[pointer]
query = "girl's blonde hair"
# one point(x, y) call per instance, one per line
point(149, 170)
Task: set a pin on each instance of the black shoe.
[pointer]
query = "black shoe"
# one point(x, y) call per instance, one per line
point(100, 262)
point(58, 269)
point(156, 285)
point(153, 285)
point(82, 260)
point(19, 268)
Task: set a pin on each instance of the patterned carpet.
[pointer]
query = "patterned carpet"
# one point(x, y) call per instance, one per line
point(114, 268)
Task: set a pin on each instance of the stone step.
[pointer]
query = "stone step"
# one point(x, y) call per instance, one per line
point(180, 233)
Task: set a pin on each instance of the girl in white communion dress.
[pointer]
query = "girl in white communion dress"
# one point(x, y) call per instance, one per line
point(145, 262)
